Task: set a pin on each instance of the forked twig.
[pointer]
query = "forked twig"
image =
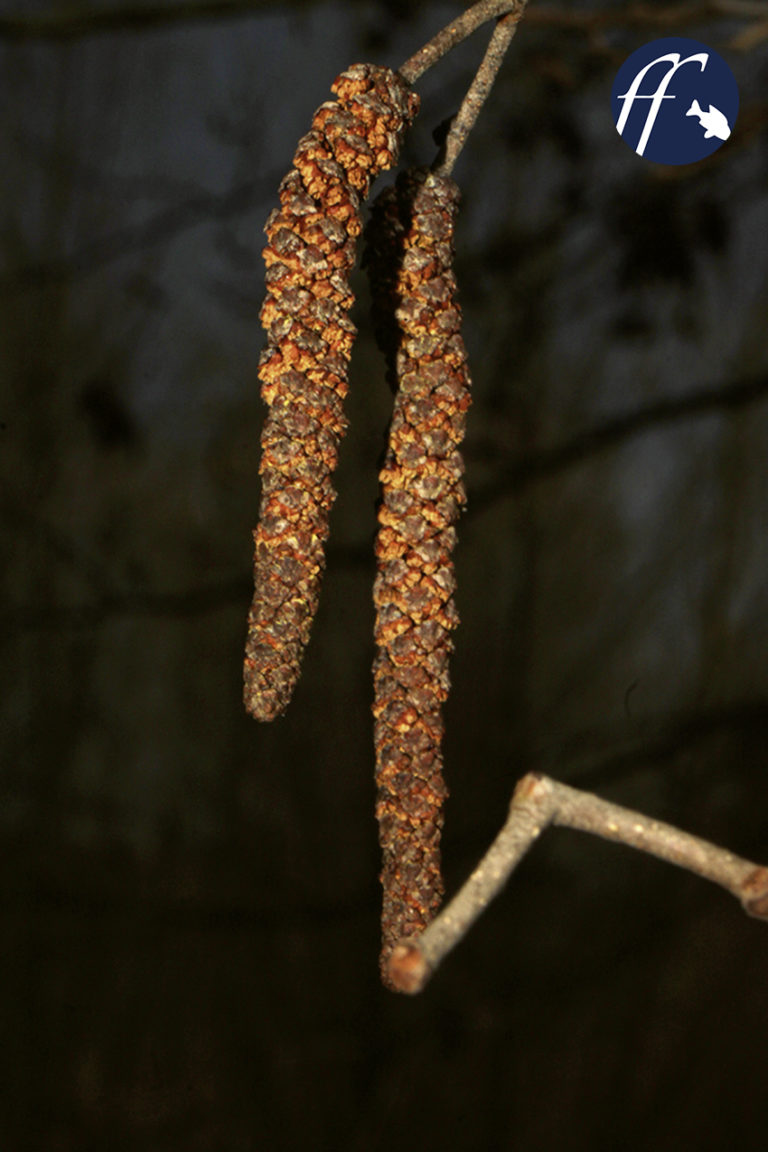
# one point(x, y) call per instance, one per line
point(455, 32)
point(478, 92)
point(537, 803)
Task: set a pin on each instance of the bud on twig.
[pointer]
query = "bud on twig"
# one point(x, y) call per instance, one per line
point(409, 255)
point(309, 256)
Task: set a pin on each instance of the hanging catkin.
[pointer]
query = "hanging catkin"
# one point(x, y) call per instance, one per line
point(417, 319)
point(309, 256)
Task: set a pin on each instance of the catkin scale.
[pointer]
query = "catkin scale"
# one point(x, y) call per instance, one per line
point(417, 321)
point(310, 252)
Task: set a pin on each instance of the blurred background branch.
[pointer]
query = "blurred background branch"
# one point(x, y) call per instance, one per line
point(74, 24)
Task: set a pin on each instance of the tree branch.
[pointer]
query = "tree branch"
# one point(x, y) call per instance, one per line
point(537, 803)
point(609, 434)
point(478, 93)
point(458, 30)
point(160, 228)
point(73, 24)
point(647, 15)
point(548, 462)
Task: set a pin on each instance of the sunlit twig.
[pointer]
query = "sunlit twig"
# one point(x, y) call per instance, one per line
point(537, 803)
point(458, 30)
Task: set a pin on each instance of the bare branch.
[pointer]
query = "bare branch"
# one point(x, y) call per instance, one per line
point(457, 31)
point(537, 803)
point(73, 24)
point(648, 15)
point(180, 604)
point(750, 36)
point(609, 434)
point(160, 228)
point(670, 16)
point(517, 476)
point(478, 93)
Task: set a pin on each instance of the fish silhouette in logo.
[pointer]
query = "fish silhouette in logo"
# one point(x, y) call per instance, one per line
point(714, 121)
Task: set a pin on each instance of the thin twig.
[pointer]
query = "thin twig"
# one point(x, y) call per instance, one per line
point(537, 803)
point(478, 92)
point(455, 32)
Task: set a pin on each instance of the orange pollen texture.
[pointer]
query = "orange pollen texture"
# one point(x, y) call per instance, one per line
point(310, 252)
point(417, 319)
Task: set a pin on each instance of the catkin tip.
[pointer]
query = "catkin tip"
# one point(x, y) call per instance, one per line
point(409, 250)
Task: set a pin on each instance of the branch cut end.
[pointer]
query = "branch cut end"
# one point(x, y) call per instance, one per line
point(754, 895)
point(407, 968)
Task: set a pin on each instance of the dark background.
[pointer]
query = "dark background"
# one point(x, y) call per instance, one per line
point(189, 901)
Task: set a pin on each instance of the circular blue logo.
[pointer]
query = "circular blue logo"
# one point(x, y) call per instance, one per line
point(674, 101)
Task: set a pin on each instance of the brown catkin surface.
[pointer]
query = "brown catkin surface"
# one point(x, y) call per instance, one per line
point(310, 252)
point(409, 257)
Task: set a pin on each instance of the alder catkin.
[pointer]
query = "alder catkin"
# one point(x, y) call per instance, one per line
point(417, 319)
point(309, 256)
